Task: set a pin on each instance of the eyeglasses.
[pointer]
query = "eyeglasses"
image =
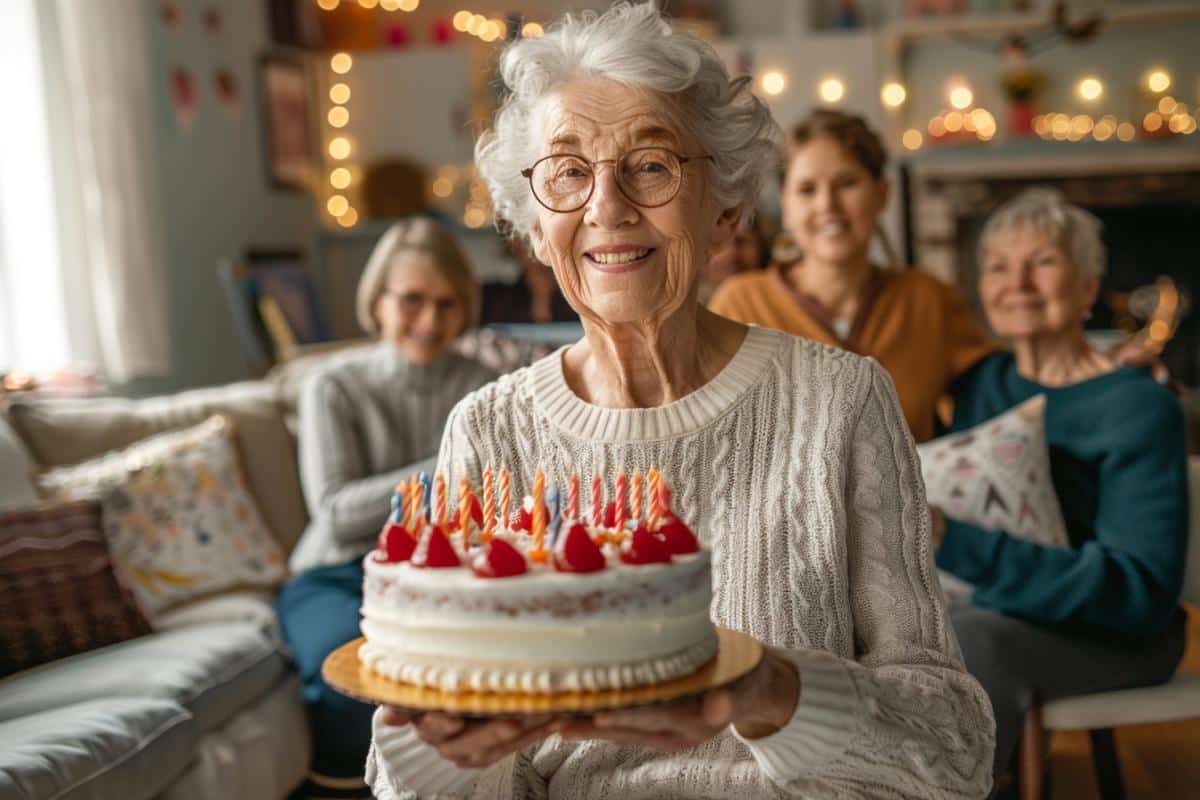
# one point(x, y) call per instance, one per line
point(648, 177)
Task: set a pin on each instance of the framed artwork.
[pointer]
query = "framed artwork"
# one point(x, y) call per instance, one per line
point(289, 140)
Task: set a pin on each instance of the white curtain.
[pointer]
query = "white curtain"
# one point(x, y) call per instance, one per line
point(102, 286)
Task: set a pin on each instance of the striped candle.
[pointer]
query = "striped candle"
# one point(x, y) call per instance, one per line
point(654, 509)
point(464, 508)
point(539, 515)
point(637, 495)
point(439, 499)
point(597, 503)
point(573, 497)
point(489, 504)
point(505, 497)
point(621, 500)
point(413, 501)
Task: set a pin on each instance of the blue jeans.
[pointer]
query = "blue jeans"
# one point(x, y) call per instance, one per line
point(318, 611)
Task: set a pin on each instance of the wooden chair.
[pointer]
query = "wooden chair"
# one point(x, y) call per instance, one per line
point(1099, 714)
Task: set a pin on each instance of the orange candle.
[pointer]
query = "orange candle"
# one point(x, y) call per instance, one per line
point(489, 504)
point(621, 499)
point(637, 495)
point(464, 507)
point(539, 515)
point(412, 505)
point(505, 497)
point(439, 499)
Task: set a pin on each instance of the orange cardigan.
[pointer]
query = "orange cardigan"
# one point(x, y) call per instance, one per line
point(918, 328)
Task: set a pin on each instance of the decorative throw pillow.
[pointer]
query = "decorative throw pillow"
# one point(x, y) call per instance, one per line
point(58, 592)
point(180, 520)
point(996, 475)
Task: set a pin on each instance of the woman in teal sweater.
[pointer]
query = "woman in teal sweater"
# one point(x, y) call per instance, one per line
point(1103, 613)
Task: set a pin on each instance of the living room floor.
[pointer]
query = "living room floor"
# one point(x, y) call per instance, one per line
point(1159, 762)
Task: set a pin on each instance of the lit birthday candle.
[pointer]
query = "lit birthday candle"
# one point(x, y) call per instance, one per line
point(539, 516)
point(637, 495)
point(597, 502)
point(505, 497)
point(620, 501)
point(573, 497)
point(439, 502)
point(489, 504)
point(464, 508)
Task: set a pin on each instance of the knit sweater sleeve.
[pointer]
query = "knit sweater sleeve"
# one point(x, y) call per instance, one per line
point(903, 718)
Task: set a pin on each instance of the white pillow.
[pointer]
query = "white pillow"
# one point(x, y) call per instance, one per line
point(996, 476)
point(16, 471)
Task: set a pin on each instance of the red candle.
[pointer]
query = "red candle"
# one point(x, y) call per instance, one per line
point(597, 502)
point(621, 510)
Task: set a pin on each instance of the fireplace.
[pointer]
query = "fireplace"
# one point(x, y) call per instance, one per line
point(1148, 201)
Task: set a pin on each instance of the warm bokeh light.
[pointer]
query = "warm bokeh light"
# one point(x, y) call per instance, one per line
point(340, 178)
point(912, 139)
point(474, 217)
point(1090, 89)
point(337, 205)
point(832, 90)
point(893, 94)
point(461, 20)
point(1158, 81)
point(328, 5)
point(1166, 105)
point(937, 127)
point(1041, 125)
point(1126, 132)
point(442, 187)
point(773, 82)
point(348, 219)
point(338, 116)
point(476, 25)
point(954, 121)
point(368, 3)
point(1152, 121)
point(532, 30)
point(339, 148)
point(389, 5)
point(961, 97)
point(410, 5)
point(1060, 125)
point(1082, 124)
point(339, 93)
point(490, 32)
point(341, 63)
point(1176, 124)
point(1104, 130)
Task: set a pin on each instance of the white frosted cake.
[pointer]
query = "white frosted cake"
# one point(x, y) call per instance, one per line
point(595, 611)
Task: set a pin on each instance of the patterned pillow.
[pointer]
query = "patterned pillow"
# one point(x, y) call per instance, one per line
point(996, 475)
point(58, 592)
point(180, 520)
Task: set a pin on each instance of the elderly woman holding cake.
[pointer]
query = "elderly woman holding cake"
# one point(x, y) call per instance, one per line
point(626, 155)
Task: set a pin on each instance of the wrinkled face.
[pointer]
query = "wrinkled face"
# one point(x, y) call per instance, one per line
point(1029, 287)
point(419, 311)
point(830, 202)
point(616, 261)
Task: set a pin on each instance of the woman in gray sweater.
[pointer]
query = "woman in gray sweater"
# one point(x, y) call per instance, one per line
point(367, 420)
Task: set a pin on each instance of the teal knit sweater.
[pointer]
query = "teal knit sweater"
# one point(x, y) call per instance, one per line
point(1118, 457)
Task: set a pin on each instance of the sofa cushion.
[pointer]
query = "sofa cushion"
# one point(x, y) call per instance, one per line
point(16, 470)
point(59, 594)
point(131, 748)
point(211, 670)
point(59, 432)
point(180, 520)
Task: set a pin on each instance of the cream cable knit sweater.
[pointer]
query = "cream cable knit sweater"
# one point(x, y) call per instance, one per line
point(795, 466)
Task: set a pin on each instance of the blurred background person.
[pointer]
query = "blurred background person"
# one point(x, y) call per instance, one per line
point(367, 421)
point(745, 250)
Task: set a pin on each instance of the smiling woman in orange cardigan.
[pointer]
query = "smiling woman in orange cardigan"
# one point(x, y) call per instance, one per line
point(919, 329)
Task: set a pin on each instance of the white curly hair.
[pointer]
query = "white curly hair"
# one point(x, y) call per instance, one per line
point(633, 44)
point(1047, 211)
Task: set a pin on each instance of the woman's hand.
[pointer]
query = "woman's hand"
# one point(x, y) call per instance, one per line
point(474, 743)
point(1135, 354)
point(758, 704)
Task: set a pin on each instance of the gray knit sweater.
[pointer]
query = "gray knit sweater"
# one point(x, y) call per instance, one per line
point(366, 422)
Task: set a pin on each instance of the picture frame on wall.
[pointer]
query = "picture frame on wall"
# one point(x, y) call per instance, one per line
point(289, 140)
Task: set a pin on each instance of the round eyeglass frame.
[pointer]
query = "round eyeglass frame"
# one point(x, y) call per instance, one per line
point(682, 159)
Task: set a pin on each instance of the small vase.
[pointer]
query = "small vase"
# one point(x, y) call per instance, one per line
point(1020, 118)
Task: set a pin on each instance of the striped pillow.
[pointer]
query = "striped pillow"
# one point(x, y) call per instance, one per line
point(58, 592)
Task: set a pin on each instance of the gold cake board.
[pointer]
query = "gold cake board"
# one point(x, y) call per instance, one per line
point(737, 654)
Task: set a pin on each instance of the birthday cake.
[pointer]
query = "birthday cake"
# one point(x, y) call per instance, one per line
point(542, 602)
